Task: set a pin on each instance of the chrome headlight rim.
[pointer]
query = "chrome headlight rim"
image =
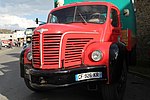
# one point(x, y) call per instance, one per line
point(29, 56)
point(96, 55)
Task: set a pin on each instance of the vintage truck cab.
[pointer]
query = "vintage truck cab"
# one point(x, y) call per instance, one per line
point(81, 43)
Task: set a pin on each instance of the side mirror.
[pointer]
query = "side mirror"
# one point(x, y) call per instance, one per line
point(37, 21)
point(126, 12)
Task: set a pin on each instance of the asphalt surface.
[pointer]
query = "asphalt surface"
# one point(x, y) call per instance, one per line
point(12, 87)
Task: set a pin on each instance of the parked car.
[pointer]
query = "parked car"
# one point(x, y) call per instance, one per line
point(5, 43)
point(0, 44)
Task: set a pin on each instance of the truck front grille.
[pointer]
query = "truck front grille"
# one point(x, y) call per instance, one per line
point(51, 44)
point(74, 49)
point(46, 54)
point(50, 50)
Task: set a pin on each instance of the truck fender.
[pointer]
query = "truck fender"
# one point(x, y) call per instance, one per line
point(103, 47)
point(24, 60)
point(22, 63)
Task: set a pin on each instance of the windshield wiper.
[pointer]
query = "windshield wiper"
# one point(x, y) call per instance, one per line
point(82, 17)
point(75, 12)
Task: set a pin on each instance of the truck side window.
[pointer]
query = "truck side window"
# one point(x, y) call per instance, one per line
point(114, 17)
point(54, 19)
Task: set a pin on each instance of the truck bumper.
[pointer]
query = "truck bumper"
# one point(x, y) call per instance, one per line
point(63, 77)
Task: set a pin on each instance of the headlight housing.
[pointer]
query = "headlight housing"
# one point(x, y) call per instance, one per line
point(96, 55)
point(29, 56)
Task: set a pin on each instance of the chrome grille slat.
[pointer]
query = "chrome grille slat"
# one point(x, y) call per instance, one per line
point(73, 60)
point(73, 50)
point(69, 56)
point(50, 60)
point(51, 52)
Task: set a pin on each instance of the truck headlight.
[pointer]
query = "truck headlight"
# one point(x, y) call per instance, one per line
point(96, 55)
point(29, 56)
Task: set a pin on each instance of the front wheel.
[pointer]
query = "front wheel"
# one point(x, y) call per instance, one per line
point(25, 75)
point(29, 85)
point(115, 90)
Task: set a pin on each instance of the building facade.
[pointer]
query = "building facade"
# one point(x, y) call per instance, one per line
point(143, 28)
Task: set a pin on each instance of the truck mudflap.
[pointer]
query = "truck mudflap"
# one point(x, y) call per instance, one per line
point(67, 77)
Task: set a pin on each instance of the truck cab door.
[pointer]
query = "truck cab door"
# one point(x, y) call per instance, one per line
point(115, 23)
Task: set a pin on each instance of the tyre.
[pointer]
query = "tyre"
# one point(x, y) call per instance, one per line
point(29, 85)
point(115, 90)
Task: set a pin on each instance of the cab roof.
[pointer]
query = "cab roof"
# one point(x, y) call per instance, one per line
point(83, 3)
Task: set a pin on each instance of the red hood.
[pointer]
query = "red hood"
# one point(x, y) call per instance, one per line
point(80, 27)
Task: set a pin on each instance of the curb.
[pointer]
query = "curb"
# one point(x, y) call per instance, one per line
point(140, 74)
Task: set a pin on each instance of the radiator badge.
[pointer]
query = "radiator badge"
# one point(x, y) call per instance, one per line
point(42, 30)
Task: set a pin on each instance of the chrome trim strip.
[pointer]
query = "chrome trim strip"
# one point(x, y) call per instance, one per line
point(104, 34)
point(41, 52)
point(41, 44)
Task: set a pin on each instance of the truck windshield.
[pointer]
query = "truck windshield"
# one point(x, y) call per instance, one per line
point(77, 14)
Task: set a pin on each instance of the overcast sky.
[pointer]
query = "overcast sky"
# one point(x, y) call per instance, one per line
point(20, 14)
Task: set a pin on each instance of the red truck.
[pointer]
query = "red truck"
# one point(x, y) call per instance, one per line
point(81, 43)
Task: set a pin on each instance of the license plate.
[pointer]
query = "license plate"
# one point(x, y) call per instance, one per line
point(88, 75)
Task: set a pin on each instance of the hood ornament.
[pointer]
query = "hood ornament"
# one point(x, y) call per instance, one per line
point(42, 30)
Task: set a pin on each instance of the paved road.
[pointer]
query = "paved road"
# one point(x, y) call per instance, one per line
point(12, 86)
